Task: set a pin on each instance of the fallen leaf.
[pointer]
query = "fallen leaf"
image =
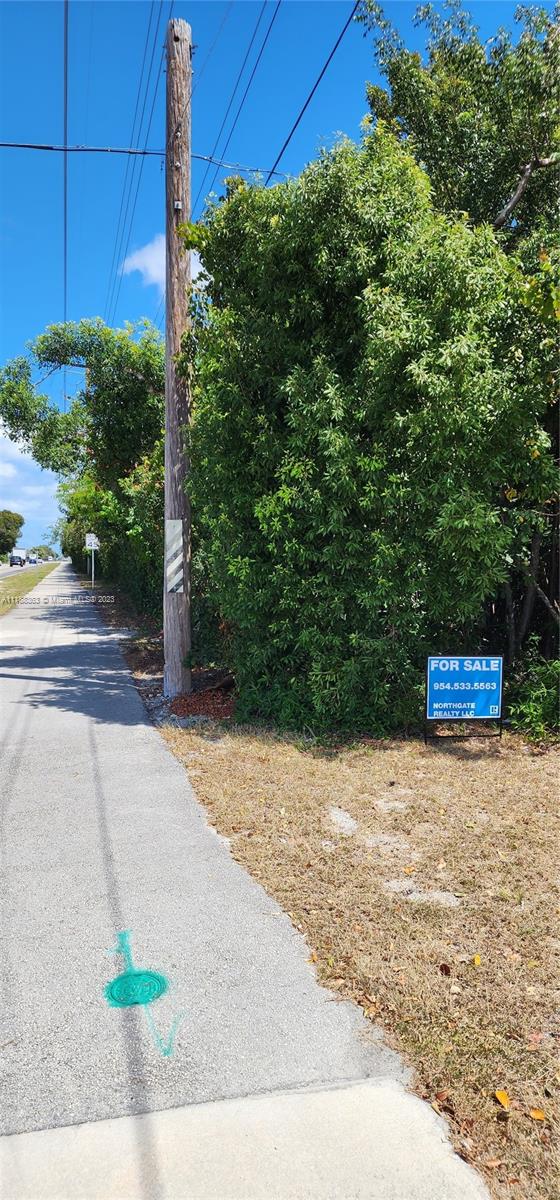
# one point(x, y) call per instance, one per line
point(537, 1114)
point(503, 1099)
point(477, 960)
point(532, 963)
point(312, 957)
point(492, 1163)
point(455, 989)
point(445, 968)
point(409, 870)
point(436, 1106)
point(441, 1096)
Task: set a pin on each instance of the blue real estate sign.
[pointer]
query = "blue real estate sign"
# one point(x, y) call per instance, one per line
point(462, 689)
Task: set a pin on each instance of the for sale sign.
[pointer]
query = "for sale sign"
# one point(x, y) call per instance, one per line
point(463, 689)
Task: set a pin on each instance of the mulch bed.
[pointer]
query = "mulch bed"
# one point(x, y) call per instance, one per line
point(218, 703)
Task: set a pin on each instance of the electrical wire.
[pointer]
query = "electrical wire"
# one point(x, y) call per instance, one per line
point(137, 152)
point(114, 278)
point(142, 161)
point(312, 92)
point(231, 99)
point(246, 92)
point(125, 180)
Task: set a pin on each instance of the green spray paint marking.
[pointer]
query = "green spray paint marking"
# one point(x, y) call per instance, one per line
point(140, 987)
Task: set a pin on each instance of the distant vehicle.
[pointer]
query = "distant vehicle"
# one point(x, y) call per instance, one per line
point(32, 559)
point(17, 559)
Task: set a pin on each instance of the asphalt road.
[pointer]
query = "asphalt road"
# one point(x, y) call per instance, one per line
point(6, 570)
point(100, 834)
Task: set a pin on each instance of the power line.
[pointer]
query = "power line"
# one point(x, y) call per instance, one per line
point(114, 287)
point(125, 181)
point(131, 222)
point(312, 92)
point(134, 151)
point(246, 92)
point(231, 99)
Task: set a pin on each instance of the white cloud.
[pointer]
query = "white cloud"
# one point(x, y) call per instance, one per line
point(150, 261)
point(32, 491)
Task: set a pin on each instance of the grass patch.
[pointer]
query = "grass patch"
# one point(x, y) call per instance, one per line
point(423, 879)
point(15, 587)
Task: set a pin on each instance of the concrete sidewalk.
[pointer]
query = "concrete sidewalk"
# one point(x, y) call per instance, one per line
point(100, 833)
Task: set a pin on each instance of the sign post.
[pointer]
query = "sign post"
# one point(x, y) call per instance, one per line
point(92, 543)
point(464, 689)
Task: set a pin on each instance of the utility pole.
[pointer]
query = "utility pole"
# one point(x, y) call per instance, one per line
point(177, 572)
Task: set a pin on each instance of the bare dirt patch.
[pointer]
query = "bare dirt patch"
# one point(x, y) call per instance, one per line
point(464, 991)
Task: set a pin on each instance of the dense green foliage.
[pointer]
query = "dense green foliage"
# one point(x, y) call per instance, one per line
point(482, 118)
point(374, 440)
point(532, 697)
point(11, 525)
point(107, 446)
point(370, 452)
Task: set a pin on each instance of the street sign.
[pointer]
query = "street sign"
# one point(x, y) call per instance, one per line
point(92, 541)
point(464, 689)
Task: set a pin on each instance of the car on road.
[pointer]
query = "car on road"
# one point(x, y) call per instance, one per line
point(17, 560)
point(32, 560)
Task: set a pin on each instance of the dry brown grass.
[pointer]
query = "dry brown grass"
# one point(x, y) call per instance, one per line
point(477, 820)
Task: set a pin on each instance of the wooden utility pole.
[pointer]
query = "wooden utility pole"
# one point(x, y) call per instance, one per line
point(177, 573)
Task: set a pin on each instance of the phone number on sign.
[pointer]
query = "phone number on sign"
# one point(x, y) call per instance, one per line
point(478, 686)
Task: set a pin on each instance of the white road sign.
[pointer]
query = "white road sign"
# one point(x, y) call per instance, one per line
point(92, 541)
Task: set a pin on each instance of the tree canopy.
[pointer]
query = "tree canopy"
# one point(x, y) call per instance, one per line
point(370, 449)
point(114, 418)
point(106, 447)
point(483, 118)
point(11, 525)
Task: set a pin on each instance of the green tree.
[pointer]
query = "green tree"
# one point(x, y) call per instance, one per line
point(483, 118)
point(114, 418)
point(106, 447)
point(43, 551)
point(370, 455)
point(11, 525)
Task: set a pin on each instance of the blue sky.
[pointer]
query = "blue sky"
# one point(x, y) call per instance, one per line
point(106, 46)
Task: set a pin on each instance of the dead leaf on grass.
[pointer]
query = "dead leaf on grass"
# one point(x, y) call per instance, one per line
point(445, 968)
point(477, 960)
point(537, 1114)
point(493, 1163)
point(409, 870)
point(503, 1098)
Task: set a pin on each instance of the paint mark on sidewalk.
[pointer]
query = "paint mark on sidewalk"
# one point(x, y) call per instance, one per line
point(140, 987)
